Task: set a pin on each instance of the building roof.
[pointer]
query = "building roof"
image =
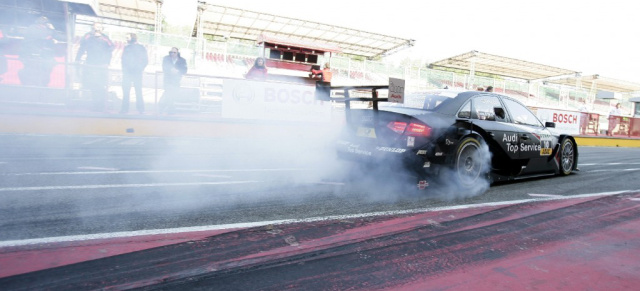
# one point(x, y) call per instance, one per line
point(243, 24)
point(249, 25)
point(137, 11)
point(596, 82)
point(501, 66)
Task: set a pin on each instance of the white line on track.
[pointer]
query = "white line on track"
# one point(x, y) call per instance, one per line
point(545, 195)
point(97, 168)
point(607, 164)
point(121, 186)
point(211, 176)
point(329, 183)
point(156, 171)
point(13, 243)
point(614, 170)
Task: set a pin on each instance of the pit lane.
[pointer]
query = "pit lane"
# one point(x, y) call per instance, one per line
point(91, 185)
point(121, 202)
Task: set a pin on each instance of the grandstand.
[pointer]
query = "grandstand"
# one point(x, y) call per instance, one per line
point(225, 43)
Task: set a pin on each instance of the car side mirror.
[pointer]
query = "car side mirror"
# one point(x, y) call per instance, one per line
point(499, 111)
point(550, 124)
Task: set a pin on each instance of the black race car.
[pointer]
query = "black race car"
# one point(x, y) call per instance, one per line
point(465, 137)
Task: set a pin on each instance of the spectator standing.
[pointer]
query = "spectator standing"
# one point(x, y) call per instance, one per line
point(489, 89)
point(614, 119)
point(324, 74)
point(3, 60)
point(174, 67)
point(95, 73)
point(258, 71)
point(134, 60)
point(37, 54)
point(584, 116)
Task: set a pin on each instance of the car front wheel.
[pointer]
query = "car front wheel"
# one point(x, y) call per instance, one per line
point(567, 157)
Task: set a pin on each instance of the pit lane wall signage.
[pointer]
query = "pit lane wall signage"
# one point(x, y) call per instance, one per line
point(396, 90)
point(244, 99)
point(566, 121)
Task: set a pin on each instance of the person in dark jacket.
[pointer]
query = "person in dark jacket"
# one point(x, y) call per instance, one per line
point(95, 73)
point(4, 66)
point(258, 71)
point(134, 60)
point(173, 66)
point(38, 53)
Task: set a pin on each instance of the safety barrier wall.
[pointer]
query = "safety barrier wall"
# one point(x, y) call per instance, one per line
point(202, 94)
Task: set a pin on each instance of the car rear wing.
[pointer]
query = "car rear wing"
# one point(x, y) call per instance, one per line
point(324, 90)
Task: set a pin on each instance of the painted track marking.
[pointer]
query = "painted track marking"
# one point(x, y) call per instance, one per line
point(156, 171)
point(122, 186)
point(545, 195)
point(97, 168)
point(13, 243)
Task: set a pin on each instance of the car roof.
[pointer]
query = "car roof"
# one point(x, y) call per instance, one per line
point(453, 104)
point(456, 100)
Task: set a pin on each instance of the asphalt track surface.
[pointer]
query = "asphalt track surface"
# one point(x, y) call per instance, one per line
point(578, 232)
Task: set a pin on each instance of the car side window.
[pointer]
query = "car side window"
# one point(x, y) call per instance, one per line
point(483, 107)
point(521, 114)
point(465, 111)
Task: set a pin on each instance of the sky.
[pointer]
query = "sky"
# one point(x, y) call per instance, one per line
point(588, 36)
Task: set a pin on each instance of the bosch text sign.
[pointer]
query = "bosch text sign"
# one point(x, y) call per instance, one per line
point(566, 121)
point(247, 99)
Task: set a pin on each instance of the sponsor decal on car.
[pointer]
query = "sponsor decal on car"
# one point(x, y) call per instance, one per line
point(355, 149)
point(545, 141)
point(411, 141)
point(366, 132)
point(544, 147)
point(391, 150)
point(529, 147)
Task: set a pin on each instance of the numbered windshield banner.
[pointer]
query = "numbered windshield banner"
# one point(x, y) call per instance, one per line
point(396, 90)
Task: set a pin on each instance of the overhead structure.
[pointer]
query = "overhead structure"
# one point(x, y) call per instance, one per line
point(475, 61)
point(299, 43)
point(596, 82)
point(228, 22)
point(136, 11)
point(84, 7)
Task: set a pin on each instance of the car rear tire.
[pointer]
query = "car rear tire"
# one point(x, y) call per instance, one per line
point(470, 164)
point(567, 157)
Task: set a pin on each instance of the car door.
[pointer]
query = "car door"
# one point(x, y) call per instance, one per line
point(535, 143)
point(502, 133)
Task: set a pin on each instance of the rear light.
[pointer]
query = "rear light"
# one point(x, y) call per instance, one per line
point(416, 129)
point(397, 127)
point(413, 129)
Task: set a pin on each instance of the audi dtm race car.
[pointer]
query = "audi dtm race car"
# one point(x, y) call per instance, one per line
point(461, 137)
